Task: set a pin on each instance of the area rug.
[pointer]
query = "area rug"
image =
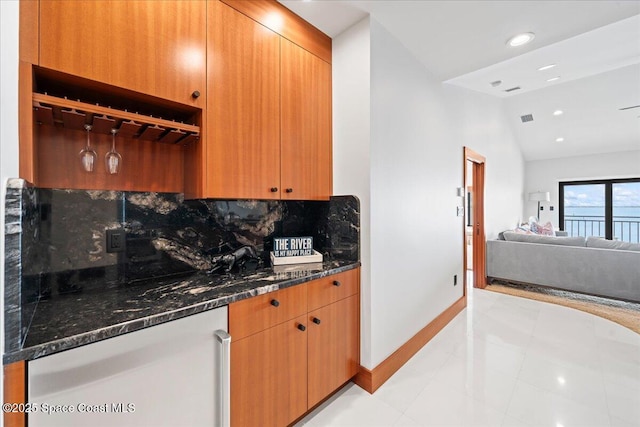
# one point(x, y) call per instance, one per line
point(624, 313)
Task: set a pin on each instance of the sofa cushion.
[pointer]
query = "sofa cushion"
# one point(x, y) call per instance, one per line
point(549, 240)
point(602, 243)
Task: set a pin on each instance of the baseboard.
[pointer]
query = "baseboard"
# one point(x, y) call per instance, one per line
point(371, 380)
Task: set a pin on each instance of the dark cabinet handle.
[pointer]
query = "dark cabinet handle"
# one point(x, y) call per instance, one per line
point(302, 327)
point(336, 283)
point(275, 302)
point(289, 190)
point(274, 189)
point(316, 320)
point(196, 94)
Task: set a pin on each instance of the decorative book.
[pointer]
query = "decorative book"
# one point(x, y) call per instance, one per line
point(294, 250)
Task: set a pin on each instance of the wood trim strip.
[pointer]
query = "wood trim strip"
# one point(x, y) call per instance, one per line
point(479, 241)
point(465, 255)
point(29, 31)
point(293, 27)
point(15, 391)
point(111, 112)
point(372, 380)
point(26, 154)
point(473, 156)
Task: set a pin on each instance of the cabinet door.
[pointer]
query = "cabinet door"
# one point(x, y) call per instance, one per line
point(165, 375)
point(157, 48)
point(268, 376)
point(306, 124)
point(243, 110)
point(333, 347)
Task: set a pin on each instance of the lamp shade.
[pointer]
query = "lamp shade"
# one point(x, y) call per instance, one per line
point(540, 196)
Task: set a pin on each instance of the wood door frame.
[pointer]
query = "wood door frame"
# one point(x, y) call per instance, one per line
point(479, 239)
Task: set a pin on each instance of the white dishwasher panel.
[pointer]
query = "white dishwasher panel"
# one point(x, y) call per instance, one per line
point(164, 375)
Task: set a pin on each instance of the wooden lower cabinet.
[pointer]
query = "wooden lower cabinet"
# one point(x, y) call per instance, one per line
point(333, 348)
point(269, 376)
point(15, 393)
point(282, 371)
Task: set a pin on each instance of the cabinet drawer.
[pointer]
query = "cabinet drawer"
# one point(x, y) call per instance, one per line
point(256, 314)
point(332, 288)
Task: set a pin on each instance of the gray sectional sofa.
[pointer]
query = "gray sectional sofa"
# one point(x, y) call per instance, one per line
point(593, 265)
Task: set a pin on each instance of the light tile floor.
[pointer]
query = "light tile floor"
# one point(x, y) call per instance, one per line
point(505, 361)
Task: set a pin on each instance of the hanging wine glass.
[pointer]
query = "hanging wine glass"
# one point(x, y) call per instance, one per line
point(113, 158)
point(87, 154)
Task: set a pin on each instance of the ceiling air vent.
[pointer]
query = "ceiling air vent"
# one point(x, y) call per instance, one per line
point(629, 108)
point(526, 118)
point(513, 89)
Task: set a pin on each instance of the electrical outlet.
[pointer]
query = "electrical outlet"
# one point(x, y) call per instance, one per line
point(116, 239)
point(455, 279)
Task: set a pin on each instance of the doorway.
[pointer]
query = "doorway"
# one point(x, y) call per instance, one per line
point(474, 235)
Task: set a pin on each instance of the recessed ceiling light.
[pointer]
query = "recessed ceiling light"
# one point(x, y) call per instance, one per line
point(553, 79)
point(561, 139)
point(558, 113)
point(496, 83)
point(520, 39)
point(546, 67)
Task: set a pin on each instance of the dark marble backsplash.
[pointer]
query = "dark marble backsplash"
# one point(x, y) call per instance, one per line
point(56, 239)
point(22, 252)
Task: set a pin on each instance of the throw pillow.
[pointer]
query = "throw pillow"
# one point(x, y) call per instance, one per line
point(544, 230)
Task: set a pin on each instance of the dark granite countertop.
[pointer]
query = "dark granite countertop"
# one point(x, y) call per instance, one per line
point(68, 321)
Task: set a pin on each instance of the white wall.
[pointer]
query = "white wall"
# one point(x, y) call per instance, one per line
point(416, 241)
point(480, 123)
point(9, 14)
point(411, 152)
point(351, 122)
point(545, 175)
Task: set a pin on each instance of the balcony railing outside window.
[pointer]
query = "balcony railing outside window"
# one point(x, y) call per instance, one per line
point(625, 228)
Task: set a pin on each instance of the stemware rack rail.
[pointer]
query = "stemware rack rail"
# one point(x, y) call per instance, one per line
point(52, 110)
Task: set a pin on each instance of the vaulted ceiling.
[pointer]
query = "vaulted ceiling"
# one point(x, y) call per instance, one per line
point(594, 44)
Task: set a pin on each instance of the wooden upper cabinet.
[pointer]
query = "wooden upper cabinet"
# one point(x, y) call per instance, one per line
point(283, 21)
point(243, 108)
point(152, 47)
point(306, 158)
point(268, 105)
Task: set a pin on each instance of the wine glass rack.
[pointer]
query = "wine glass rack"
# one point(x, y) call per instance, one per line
point(52, 110)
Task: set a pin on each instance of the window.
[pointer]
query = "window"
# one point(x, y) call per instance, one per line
point(605, 208)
